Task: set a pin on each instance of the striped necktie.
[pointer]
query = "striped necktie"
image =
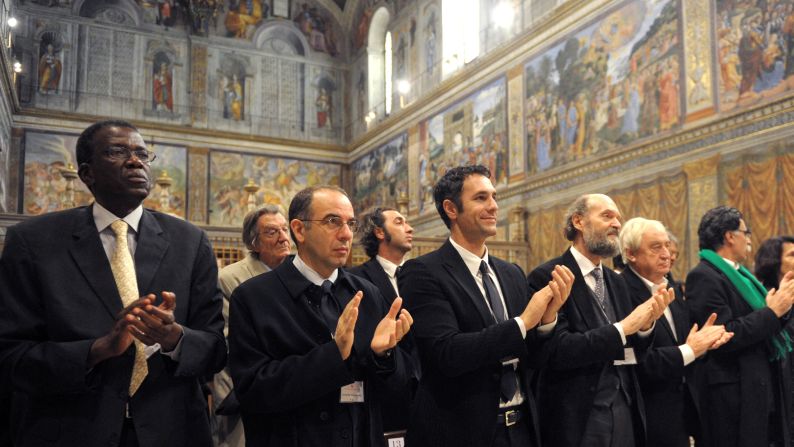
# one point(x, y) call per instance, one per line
point(123, 269)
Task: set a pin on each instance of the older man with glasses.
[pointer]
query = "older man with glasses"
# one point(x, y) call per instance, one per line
point(313, 347)
point(266, 235)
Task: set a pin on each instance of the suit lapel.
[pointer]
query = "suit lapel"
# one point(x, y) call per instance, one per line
point(580, 293)
point(461, 274)
point(92, 261)
point(149, 252)
point(640, 290)
point(380, 279)
point(680, 317)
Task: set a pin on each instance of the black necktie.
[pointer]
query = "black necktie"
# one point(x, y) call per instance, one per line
point(508, 384)
point(323, 299)
point(397, 272)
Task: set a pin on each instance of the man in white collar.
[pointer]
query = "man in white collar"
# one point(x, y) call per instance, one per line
point(590, 394)
point(311, 346)
point(387, 237)
point(666, 374)
point(266, 235)
point(744, 399)
point(111, 312)
point(478, 331)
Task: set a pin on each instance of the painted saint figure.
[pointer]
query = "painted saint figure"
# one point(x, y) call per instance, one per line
point(49, 71)
point(233, 99)
point(162, 90)
point(323, 104)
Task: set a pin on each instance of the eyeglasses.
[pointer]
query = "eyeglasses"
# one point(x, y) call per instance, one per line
point(335, 223)
point(124, 154)
point(746, 232)
point(272, 232)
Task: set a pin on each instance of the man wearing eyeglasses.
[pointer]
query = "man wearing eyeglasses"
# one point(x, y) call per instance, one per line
point(266, 235)
point(745, 398)
point(311, 346)
point(110, 313)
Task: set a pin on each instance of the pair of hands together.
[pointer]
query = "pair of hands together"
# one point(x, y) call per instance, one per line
point(140, 320)
point(391, 329)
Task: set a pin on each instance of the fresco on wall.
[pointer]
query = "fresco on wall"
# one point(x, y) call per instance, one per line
point(171, 161)
point(278, 180)
point(244, 16)
point(45, 188)
point(362, 27)
point(50, 66)
point(756, 50)
point(162, 84)
point(231, 87)
point(381, 175)
point(318, 29)
point(430, 42)
point(473, 131)
point(613, 82)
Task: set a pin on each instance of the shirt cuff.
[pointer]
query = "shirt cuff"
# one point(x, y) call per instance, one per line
point(687, 353)
point(647, 333)
point(620, 331)
point(177, 350)
point(521, 326)
point(548, 328)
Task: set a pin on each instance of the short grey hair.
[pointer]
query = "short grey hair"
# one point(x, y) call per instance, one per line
point(631, 234)
point(579, 207)
point(672, 237)
point(250, 231)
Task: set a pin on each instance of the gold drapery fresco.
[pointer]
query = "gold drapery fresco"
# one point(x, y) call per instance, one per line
point(761, 187)
point(663, 199)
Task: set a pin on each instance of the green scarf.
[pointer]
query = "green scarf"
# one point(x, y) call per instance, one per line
point(754, 293)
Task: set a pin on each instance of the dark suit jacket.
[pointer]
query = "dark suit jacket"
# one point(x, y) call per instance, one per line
point(397, 402)
point(462, 348)
point(286, 368)
point(739, 378)
point(580, 350)
point(374, 273)
point(668, 387)
point(59, 295)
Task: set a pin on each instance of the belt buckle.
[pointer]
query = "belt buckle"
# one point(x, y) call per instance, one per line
point(511, 417)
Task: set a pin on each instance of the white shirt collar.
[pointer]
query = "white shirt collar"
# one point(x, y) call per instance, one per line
point(733, 264)
point(103, 218)
point(471, 260)
point(389, 267)
point(653, 287)
point(585, 265)
point(308, 273)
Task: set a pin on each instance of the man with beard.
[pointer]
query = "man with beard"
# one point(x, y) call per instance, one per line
point(745, 397)
point(588, 393)
point(387, 238)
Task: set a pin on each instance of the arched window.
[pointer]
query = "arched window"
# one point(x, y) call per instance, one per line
point(460, 27)
point(387, 72)
point(376, 62)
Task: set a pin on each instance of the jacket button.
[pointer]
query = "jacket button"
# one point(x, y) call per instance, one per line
point(324, 416)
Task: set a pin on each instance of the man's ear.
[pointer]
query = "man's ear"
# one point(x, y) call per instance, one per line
point(450, 209)
point(578, 222)
point(86, 174)
point(298, 227)
point(379, 233)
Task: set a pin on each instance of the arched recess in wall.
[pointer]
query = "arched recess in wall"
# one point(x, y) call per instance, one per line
point(282, 77)
point(120, 12)
point(376, 61)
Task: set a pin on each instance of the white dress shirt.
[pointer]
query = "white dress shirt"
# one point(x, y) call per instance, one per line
point(391, 271)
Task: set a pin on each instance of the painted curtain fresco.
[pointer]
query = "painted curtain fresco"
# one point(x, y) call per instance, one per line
point(607, 85)
point(756, 50)
point(278, 179)
point(473, 131)
point(381, 175)
point(173, 161)
point(45, 187)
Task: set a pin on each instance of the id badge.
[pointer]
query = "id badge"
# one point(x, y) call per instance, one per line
point(628, 358)
point(353, 393)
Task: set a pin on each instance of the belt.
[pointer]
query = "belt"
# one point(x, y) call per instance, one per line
point(509, 417)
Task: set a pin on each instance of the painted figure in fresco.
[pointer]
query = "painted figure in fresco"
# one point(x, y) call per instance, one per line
point(361, 93)
point(317, 29)
point(430, 44)
point(162, 90)
point(751, 51)
point(244, 15)
point(632, 115)
point(164, 13)
point(400, 57)
point(323, 104)
point(49, 71)
point(562, 123)
point(233, 99)
point(788, 34)
point(362, 31)
point(668, 96)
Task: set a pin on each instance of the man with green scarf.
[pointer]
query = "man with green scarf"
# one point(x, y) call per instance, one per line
point(744, 403)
